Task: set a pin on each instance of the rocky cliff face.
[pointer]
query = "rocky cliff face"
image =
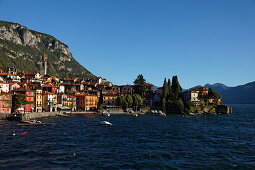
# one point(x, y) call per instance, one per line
point(23, 48)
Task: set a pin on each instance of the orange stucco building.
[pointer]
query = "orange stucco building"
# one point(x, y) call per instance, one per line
point(86, 102)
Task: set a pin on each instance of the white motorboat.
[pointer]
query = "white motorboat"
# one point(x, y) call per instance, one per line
point(106, 114)
point(161, 113)
point(105, 123)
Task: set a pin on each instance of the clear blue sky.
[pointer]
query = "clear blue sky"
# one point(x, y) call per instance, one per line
point(201, 41)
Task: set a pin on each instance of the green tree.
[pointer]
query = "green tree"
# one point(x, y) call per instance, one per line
point(120, 100)
point(216, 95)
point(100, 100)
point(69, 92)
point(176, 88)
point(165, 89)
point(210, 93)
point(170, 93)
point(139, 83)
point(129, 100)
point(137, 101)
point(165, 94)
point(17, 101)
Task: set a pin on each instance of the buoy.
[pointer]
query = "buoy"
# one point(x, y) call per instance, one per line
point(24, 133)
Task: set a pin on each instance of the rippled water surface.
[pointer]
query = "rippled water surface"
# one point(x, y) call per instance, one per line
point(79, 142)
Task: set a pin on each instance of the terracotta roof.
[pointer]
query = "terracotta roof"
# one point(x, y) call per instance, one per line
point(21, 89)
point(148, 84)
point(47, 85)
point(22, 83)
point(5, 74)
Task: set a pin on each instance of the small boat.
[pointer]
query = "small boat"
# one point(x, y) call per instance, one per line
point(106, 114)
point(105, 123)
point(161, 113)
point(152, 111)
point(135, 115)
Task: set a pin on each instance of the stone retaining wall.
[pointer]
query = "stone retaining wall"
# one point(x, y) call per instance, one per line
point(36, 115)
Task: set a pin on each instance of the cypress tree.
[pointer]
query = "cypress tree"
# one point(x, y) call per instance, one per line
point(165, 93)
point(176, 88)
point(165, 89)
point(169, 90)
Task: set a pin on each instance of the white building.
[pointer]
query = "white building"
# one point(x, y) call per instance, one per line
point(191, 96)
point(4, 87)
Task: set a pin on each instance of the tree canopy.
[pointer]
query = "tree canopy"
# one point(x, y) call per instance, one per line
point(140, 85)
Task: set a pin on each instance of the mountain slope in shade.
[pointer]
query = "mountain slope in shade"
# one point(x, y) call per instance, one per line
point(243, 94)
point(23, 48)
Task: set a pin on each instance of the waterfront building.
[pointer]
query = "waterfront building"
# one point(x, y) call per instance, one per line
point(38, 100)
point(49, 102)
point(116, 89)
point(202, 91)
point(127, 89)
point(71, 102)
point(5, 102)
point(86, 102)
point(110, 99)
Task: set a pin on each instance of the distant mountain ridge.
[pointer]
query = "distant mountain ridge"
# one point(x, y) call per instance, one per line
point(23, 48)
point(242, 94)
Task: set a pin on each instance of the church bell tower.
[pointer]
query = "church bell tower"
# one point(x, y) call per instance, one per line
point(43, 70)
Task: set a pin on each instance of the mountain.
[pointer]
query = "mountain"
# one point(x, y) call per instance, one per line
point(22, 49)
point(219, 87)
point(243, 94)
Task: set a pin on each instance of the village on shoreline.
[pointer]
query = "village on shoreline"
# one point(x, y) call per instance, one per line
point(35, 93)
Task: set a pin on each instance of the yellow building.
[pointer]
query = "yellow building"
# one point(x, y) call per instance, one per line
point(110, 99)
point(71, 102)
point(38, 100)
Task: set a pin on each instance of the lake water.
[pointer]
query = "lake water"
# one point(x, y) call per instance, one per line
point(143, 142)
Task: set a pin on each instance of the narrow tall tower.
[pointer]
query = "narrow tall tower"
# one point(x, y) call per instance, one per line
point(43, 70)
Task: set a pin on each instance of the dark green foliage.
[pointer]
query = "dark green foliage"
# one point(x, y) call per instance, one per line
point(120, 100)
point(176, 88)
point(137, 100)
point(100, 100)
point(17, 101)
point(170, 92)
point(171, 100)
point(69, 92)
point(140, 85)
point(213, 94)
point(129, 100)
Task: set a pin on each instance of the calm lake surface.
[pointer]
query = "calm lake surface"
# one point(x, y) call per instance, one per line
point(143, 142)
